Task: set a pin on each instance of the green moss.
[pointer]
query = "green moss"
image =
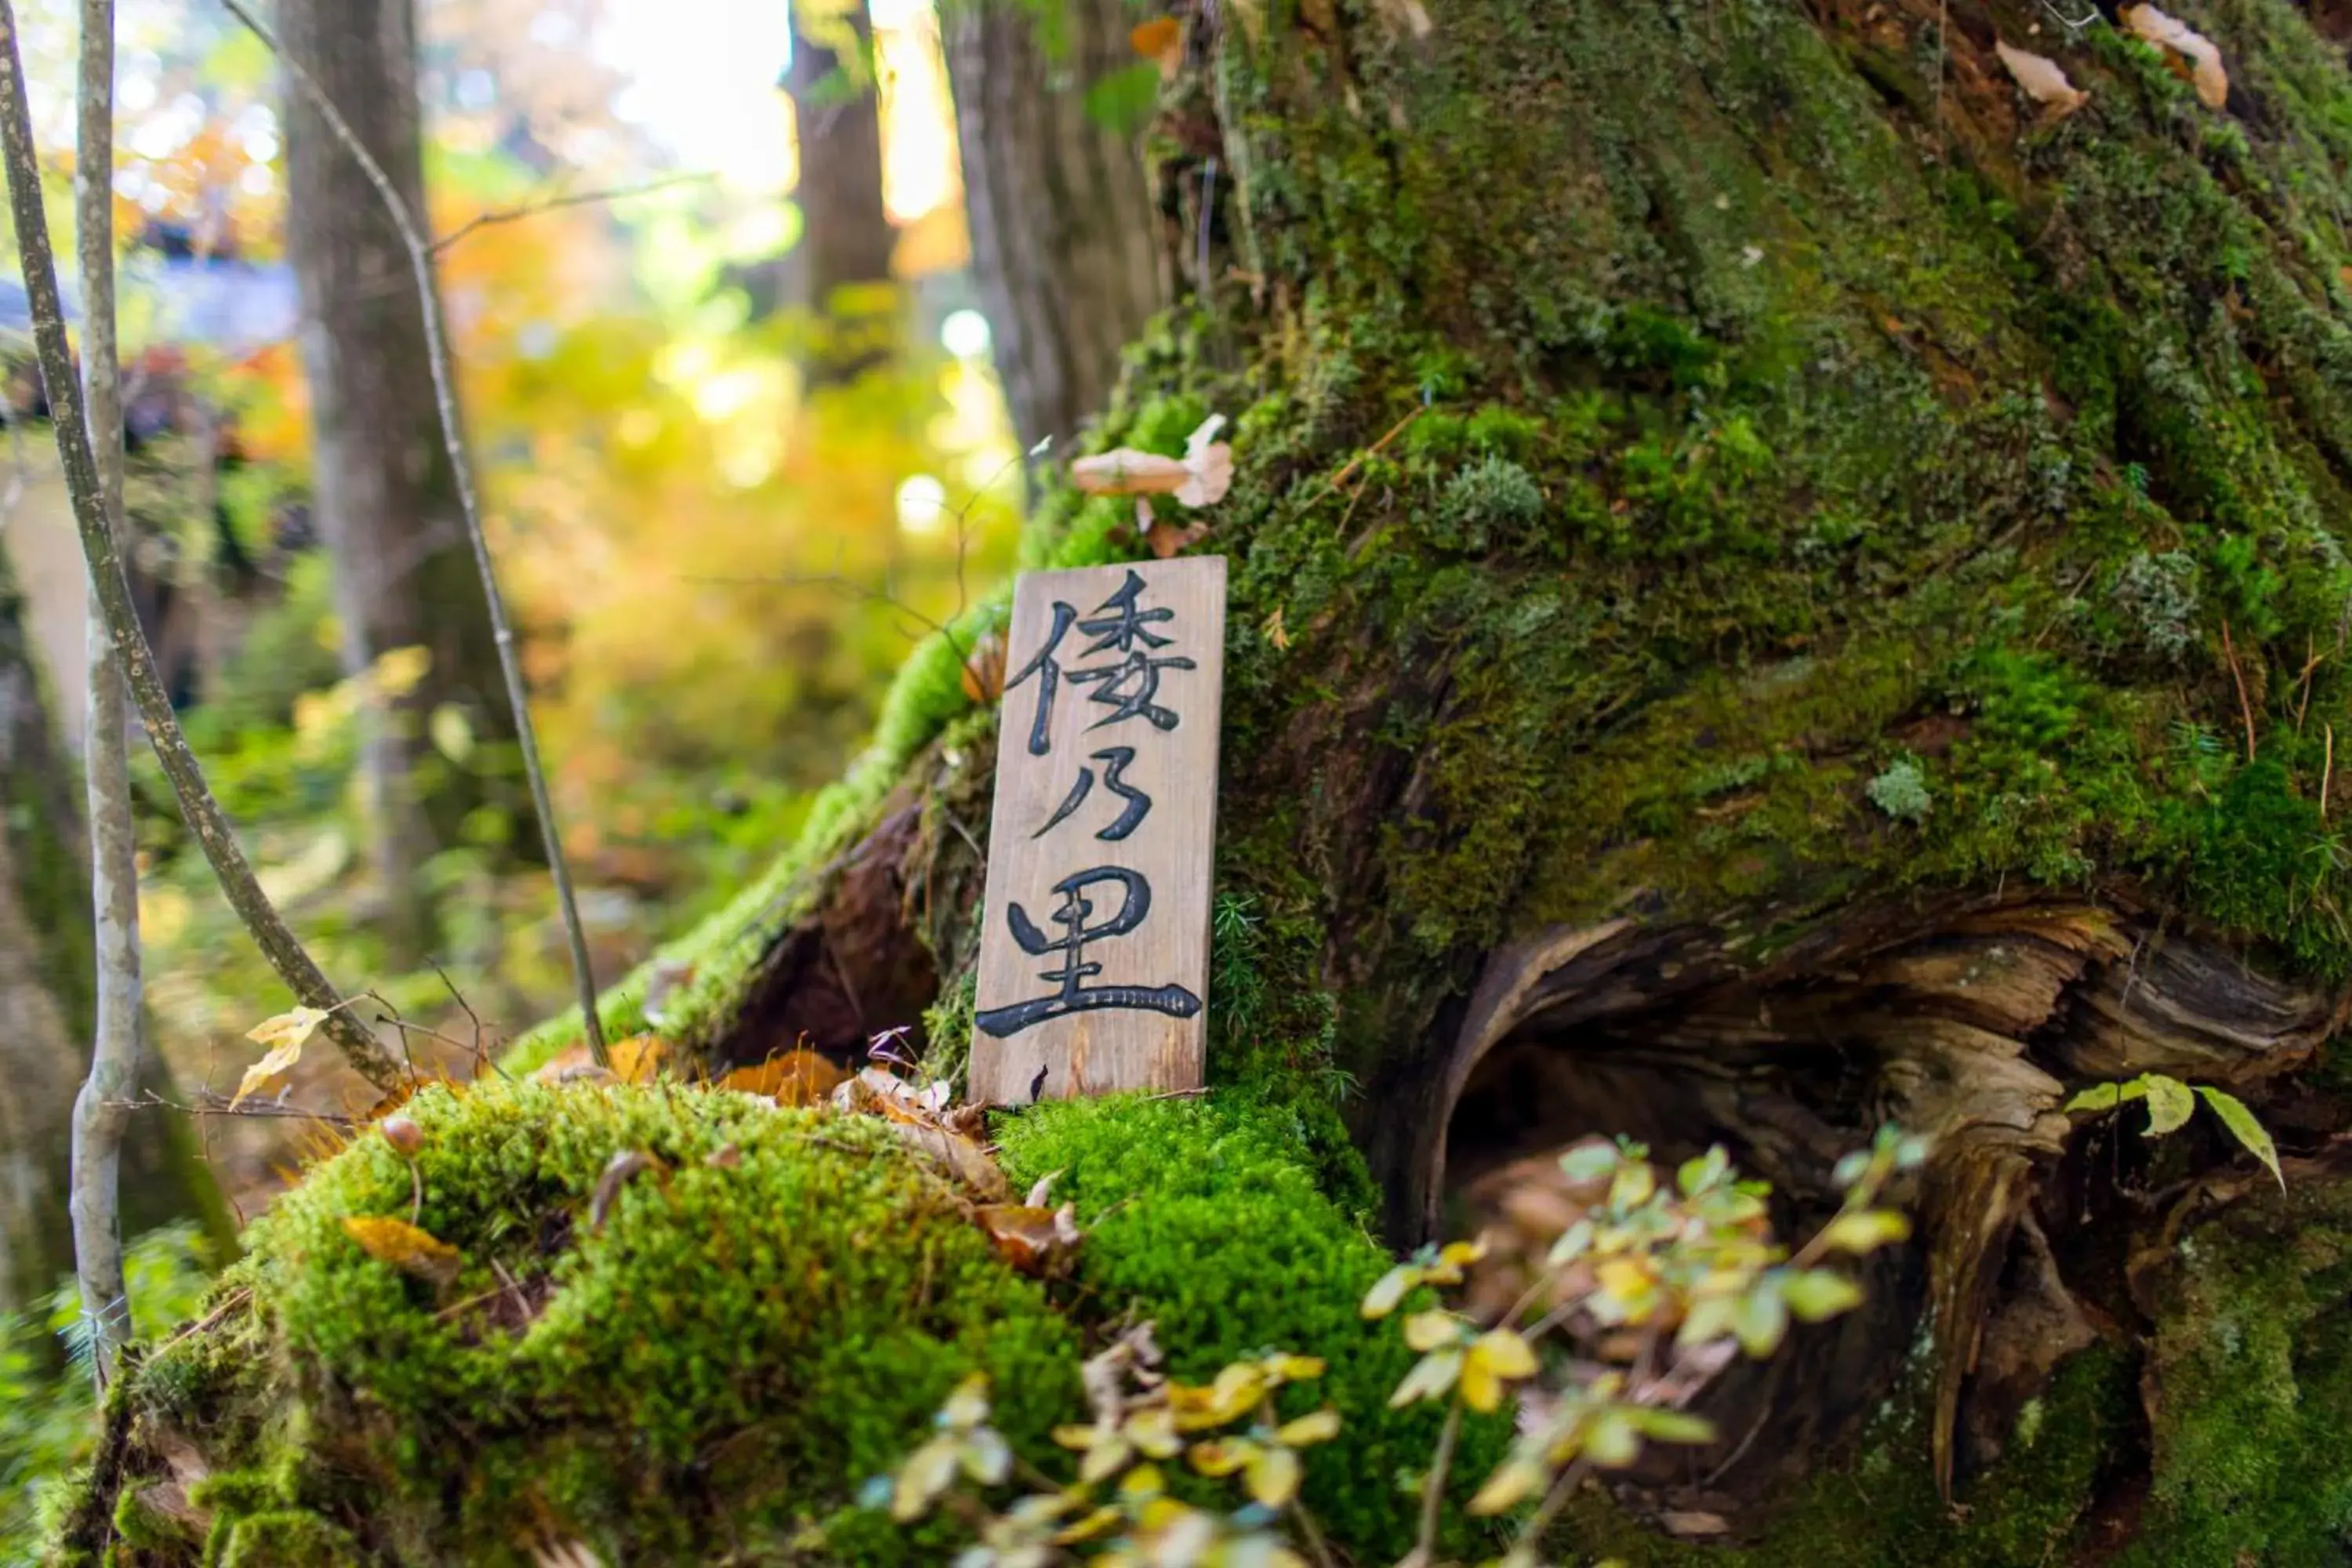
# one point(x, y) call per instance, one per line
point(728, 1357)
point(2250, 1386)
point(1204, 1216)
point(287, 1538)
point(1880, 1508)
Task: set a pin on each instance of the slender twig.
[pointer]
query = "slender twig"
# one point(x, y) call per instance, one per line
point(2313, 659)
point(493, 216)
point(2229, 652)
point(1554, 1501)
point(216, 1104)
point(2328, 774)
point(1200, 284)
point(98, 1122)
point(238, 1298)
point(1373, 450)
point(445, 398)
point(285, 952)
point(1432, 1485)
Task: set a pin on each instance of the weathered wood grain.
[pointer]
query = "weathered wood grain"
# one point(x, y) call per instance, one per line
point(1104, 822)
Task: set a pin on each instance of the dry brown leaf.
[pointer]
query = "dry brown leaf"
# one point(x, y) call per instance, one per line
point(2043, 79)
point(1030, 1237)
point(1160, 39)
point(983, 669)
point(956, 1157)
point(284, 1036)
point(637, 1059)
point(1275, 632)
point(2204, 55)
point(1166, 539)
point(403, 1246)
point(725, 1157)
point(876, 1091)
point(618, 1170)
point(793, 1078)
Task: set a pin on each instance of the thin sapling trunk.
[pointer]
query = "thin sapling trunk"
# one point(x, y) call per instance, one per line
point(112, 586)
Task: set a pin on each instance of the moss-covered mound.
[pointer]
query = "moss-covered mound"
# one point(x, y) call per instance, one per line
point(768, 1314)
point(1205, 1221)
point(737, 1347)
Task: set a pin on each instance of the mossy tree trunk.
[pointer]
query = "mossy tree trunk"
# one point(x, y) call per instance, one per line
point(1780, 584)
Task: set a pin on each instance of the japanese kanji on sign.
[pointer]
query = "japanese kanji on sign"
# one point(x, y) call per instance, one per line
point(1094, 961)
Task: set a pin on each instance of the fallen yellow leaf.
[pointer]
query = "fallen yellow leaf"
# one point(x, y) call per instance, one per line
point(284, 1036)
point(403, 1246)
point(792, 1079)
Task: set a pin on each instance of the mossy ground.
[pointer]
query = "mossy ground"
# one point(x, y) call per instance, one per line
point(1879, 1507)
point(729, 1356)
point(738, 1348)
point(1204, 1218)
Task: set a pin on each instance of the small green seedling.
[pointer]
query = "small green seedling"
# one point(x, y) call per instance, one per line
point(2170, 1104)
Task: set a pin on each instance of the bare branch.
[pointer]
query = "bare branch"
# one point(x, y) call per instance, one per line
point(444, 397)
point(553, 203)
point(213, 1104)
point(285, 952)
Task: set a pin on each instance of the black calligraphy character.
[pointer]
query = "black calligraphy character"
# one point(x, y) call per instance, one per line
point(1129, 688)
point(1075, 995)
point(1121, 631)
point(1115, 760)
point(1049, 678)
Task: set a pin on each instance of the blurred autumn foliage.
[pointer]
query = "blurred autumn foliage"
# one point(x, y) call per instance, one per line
point(714, 567)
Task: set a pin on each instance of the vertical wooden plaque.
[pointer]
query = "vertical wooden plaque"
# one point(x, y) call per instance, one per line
point(1094, 959)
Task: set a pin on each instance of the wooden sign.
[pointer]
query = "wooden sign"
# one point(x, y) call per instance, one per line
point(1094, 961)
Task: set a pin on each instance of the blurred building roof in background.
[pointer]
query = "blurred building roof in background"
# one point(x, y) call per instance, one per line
point(172, 296)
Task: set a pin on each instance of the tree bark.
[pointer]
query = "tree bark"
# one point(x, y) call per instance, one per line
point(1782, 582)
point(101, 1110)
point(1065, 230)
point(387, 503)
point(843, 259)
